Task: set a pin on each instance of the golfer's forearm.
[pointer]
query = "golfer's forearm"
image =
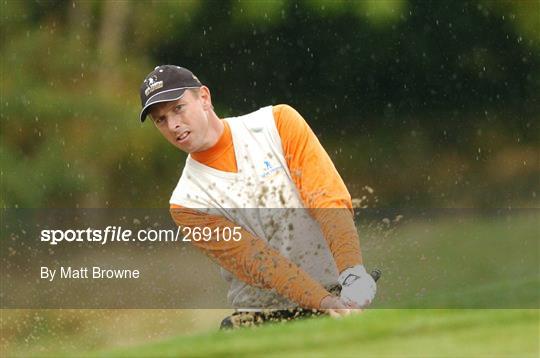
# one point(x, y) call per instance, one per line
point(257, 263)
point(253, 261)
point(340, 232)
point(320, 186)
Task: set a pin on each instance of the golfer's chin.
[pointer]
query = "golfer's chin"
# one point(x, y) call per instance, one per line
point(183, 148)
point(187, 147)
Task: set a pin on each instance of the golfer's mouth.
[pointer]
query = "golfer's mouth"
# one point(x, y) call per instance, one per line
point(183, 136)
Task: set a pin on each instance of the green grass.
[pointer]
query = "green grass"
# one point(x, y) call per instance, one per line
point(471, 262)
point(402, 333)
point(466, 261)
point(474, 262)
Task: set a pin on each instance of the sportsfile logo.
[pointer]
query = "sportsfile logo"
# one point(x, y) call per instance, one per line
point(153, 84)
point(269, 169)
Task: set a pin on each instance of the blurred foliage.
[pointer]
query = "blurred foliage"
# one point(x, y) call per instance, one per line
point(429, 102)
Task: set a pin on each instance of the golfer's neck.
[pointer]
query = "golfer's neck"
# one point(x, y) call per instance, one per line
point(215, 130)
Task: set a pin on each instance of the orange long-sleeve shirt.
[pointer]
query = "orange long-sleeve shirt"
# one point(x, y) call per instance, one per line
point(322, 191)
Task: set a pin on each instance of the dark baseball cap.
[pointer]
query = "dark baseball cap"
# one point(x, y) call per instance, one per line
point(165, 83)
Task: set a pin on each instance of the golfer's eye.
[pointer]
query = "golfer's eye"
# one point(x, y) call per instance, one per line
point(178, 107)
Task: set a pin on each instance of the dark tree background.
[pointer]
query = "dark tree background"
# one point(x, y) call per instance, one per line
point(427, 102)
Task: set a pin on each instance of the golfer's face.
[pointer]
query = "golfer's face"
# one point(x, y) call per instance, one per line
point(183, 122)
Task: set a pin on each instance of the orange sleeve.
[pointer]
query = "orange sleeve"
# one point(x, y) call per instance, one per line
point(252, 260)
point(320, 185)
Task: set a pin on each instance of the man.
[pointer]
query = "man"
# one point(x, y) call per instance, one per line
point(266, 173)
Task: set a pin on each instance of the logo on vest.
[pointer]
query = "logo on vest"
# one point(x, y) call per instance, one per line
point(269, 169)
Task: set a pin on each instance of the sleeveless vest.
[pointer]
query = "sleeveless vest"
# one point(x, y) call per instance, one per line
point(262, 198)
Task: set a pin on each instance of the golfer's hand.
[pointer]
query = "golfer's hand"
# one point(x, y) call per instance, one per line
point(357, 286)
point(335, 307)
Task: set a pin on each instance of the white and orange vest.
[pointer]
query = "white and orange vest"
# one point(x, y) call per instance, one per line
point(262, 198)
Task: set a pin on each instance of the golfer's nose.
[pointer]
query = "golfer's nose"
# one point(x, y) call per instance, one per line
point(174, 123)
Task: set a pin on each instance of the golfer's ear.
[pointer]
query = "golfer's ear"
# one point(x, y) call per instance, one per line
point(204, 92)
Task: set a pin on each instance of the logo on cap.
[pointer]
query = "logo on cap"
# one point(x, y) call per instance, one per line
point(152, 84)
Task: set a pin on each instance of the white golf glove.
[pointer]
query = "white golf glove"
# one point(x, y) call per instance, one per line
point(357, 286)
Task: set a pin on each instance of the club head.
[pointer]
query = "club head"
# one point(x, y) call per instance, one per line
point(376, 274)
